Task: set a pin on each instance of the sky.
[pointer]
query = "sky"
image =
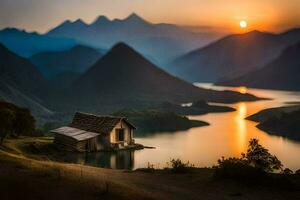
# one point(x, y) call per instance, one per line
point(264, 15)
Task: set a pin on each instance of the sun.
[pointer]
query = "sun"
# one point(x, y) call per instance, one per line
point(243, 24)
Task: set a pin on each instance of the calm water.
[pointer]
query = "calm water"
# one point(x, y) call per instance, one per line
point(227, 135)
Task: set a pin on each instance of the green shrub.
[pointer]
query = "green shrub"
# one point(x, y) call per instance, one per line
point(24, 123)
point(15, 121)
point(178, 166)
point(6, 123)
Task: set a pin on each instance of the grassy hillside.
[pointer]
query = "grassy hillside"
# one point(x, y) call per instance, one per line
point(42, 179)
point(50, 180)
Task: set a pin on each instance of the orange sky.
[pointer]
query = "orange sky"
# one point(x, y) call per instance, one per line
point(265, 15)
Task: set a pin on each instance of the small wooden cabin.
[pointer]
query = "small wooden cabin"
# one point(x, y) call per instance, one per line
point(89, 132)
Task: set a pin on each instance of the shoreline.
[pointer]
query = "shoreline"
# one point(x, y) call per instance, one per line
point(271, 121)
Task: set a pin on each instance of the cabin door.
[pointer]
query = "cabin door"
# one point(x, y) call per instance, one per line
point(120, 134)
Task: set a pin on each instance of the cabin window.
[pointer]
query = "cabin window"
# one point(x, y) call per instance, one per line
point(120, 134)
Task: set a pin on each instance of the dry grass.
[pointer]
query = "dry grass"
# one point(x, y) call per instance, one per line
point(40, 179)
point(23, 177)
point(45, 180)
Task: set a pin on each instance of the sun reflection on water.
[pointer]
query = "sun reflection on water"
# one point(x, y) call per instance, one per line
point(227, 135)
point(242, 89)
point(241, 129)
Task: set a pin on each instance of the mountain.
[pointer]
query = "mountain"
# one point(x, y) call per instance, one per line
point(19, 71)
point(20, 82)
point(63, 80)
point(26, 44)
point(283, 73)
point(69, 29)
point(76, 60)
point(160, 41)
point(124, 78)
point(232, 56)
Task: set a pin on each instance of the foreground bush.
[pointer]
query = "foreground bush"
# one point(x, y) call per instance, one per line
point(6, 123)
point(16, 121)
point(178, 166)
point(237, 168)
point(254, 164)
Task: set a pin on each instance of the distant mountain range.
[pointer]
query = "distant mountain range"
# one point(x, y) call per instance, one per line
point(20, 81)
point(26, 44)
point(75, 60)
point(70, 49)
point(19, 71)
point(283, 73)
point(124, 78)
point(159, 42)
point(232, 56)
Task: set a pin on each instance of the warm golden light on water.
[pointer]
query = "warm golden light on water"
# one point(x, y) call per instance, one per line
point(241, 130)
point(228, 135)
point(242, 90)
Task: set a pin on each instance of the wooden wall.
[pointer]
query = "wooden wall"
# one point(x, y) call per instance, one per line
point(127, 133)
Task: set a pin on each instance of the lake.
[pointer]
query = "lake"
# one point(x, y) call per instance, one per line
point(227, 135)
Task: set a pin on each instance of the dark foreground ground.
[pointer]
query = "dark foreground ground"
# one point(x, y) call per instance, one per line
point(26, 178)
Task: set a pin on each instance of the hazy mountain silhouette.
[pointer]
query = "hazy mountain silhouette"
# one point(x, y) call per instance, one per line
point(124, 78)
point(160, 41)
point(19, 71)
point(63, 80)
point(26, 44)
point(77, 60)
point(233, 56)
point(282, 73)
point(20, 81)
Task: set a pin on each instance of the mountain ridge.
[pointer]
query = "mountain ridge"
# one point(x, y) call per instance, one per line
point(20, 82)
point(160, 41)
point(232, 55)
point(26, 44)
point(282, 73)
point(76, 59)
point(124, 78)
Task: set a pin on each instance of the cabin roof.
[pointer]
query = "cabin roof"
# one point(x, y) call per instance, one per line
point(97, 124)
point(75, 133)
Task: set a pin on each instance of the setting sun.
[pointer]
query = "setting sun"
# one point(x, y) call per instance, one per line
point(243, 24)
